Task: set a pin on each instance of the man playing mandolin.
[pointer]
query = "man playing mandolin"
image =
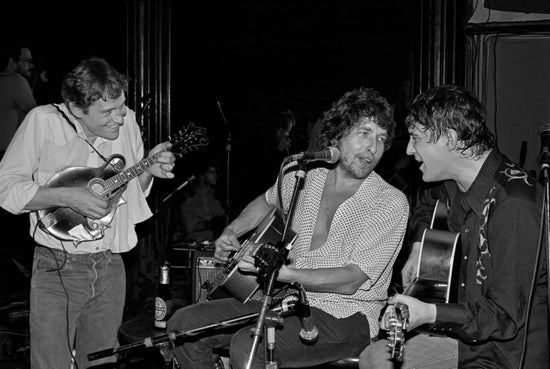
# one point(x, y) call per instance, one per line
point(492, 203)
point(78, 283)
point(350, 226)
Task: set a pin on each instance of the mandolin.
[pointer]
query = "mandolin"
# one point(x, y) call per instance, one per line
point(109, 182)
point(397, 319)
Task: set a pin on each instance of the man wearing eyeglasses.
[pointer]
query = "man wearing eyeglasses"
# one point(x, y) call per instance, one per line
point(16, 95)
point(24, 63)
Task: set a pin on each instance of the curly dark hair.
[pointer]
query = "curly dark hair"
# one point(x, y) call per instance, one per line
point(93, 79)
point(445, 107)
point(348, 111)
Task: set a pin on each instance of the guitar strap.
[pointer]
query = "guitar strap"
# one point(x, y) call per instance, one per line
point(74, 127)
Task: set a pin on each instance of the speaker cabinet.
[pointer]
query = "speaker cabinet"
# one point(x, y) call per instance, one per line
point(206, 275)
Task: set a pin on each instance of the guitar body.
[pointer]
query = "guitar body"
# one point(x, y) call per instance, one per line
point(433, 282)
point(242, 285)
point(235, 282)
point(434, 277)
point(65, 223)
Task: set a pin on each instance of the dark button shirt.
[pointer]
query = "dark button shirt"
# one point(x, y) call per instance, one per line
point(498, 219)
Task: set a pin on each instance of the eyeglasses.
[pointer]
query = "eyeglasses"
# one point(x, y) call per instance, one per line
point(27, 60)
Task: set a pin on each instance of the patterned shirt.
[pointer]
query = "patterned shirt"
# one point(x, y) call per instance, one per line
point(367, 230)
point(46, 143)
point(498, 219)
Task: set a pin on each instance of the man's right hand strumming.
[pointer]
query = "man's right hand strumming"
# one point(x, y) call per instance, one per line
point(225, 244)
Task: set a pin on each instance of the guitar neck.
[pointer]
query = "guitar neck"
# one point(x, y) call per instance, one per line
point(120, 179)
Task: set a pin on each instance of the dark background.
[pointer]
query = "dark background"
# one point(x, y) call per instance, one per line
point(259, 58)
point(255, 59)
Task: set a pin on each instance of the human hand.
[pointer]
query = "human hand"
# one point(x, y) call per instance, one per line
point(419, 312)
point(85, 202)
point(226, 243)
point(409, 270)
point(247, 265)
point(164, 163)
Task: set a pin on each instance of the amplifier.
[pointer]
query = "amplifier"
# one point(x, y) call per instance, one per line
point(206, 275)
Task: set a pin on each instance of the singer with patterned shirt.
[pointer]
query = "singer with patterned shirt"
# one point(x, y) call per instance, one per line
point(350, 225)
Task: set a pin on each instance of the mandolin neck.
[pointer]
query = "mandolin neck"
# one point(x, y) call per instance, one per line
point(120, 179)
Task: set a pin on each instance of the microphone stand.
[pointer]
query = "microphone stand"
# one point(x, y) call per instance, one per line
point(227, 183)
point(267, 297)
point(185, 183)
point(545, 168)
point(139, 115)
point(228, 167)
point(156, 341)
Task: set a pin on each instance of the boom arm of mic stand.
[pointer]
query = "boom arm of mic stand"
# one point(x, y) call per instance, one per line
point(172, 336)
point(187, 181)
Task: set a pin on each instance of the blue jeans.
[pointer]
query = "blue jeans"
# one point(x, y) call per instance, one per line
point(338, 338)
point(76, 301)
point(421, 352)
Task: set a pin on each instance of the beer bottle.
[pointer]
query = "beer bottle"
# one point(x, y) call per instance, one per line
point(163, 299)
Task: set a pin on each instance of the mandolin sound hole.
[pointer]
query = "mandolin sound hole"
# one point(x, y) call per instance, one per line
point(117, 164)
point(97, 186)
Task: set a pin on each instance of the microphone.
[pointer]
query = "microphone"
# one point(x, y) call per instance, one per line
point(185, 183)
point(330, 154)
point(544, 133)
point(309, 332)
point(147, 98)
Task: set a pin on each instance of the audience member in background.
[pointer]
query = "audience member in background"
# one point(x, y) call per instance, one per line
point(25, 64)
point(78, 287)
point(16, 95)
point(202, 213)
point(44, 90)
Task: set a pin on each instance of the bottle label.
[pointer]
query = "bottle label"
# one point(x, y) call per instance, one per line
point(160, 309)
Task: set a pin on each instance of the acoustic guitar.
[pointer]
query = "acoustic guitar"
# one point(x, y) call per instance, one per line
point(242, 285)
point(434, 280)
point(108, 182)
point(434, 274)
